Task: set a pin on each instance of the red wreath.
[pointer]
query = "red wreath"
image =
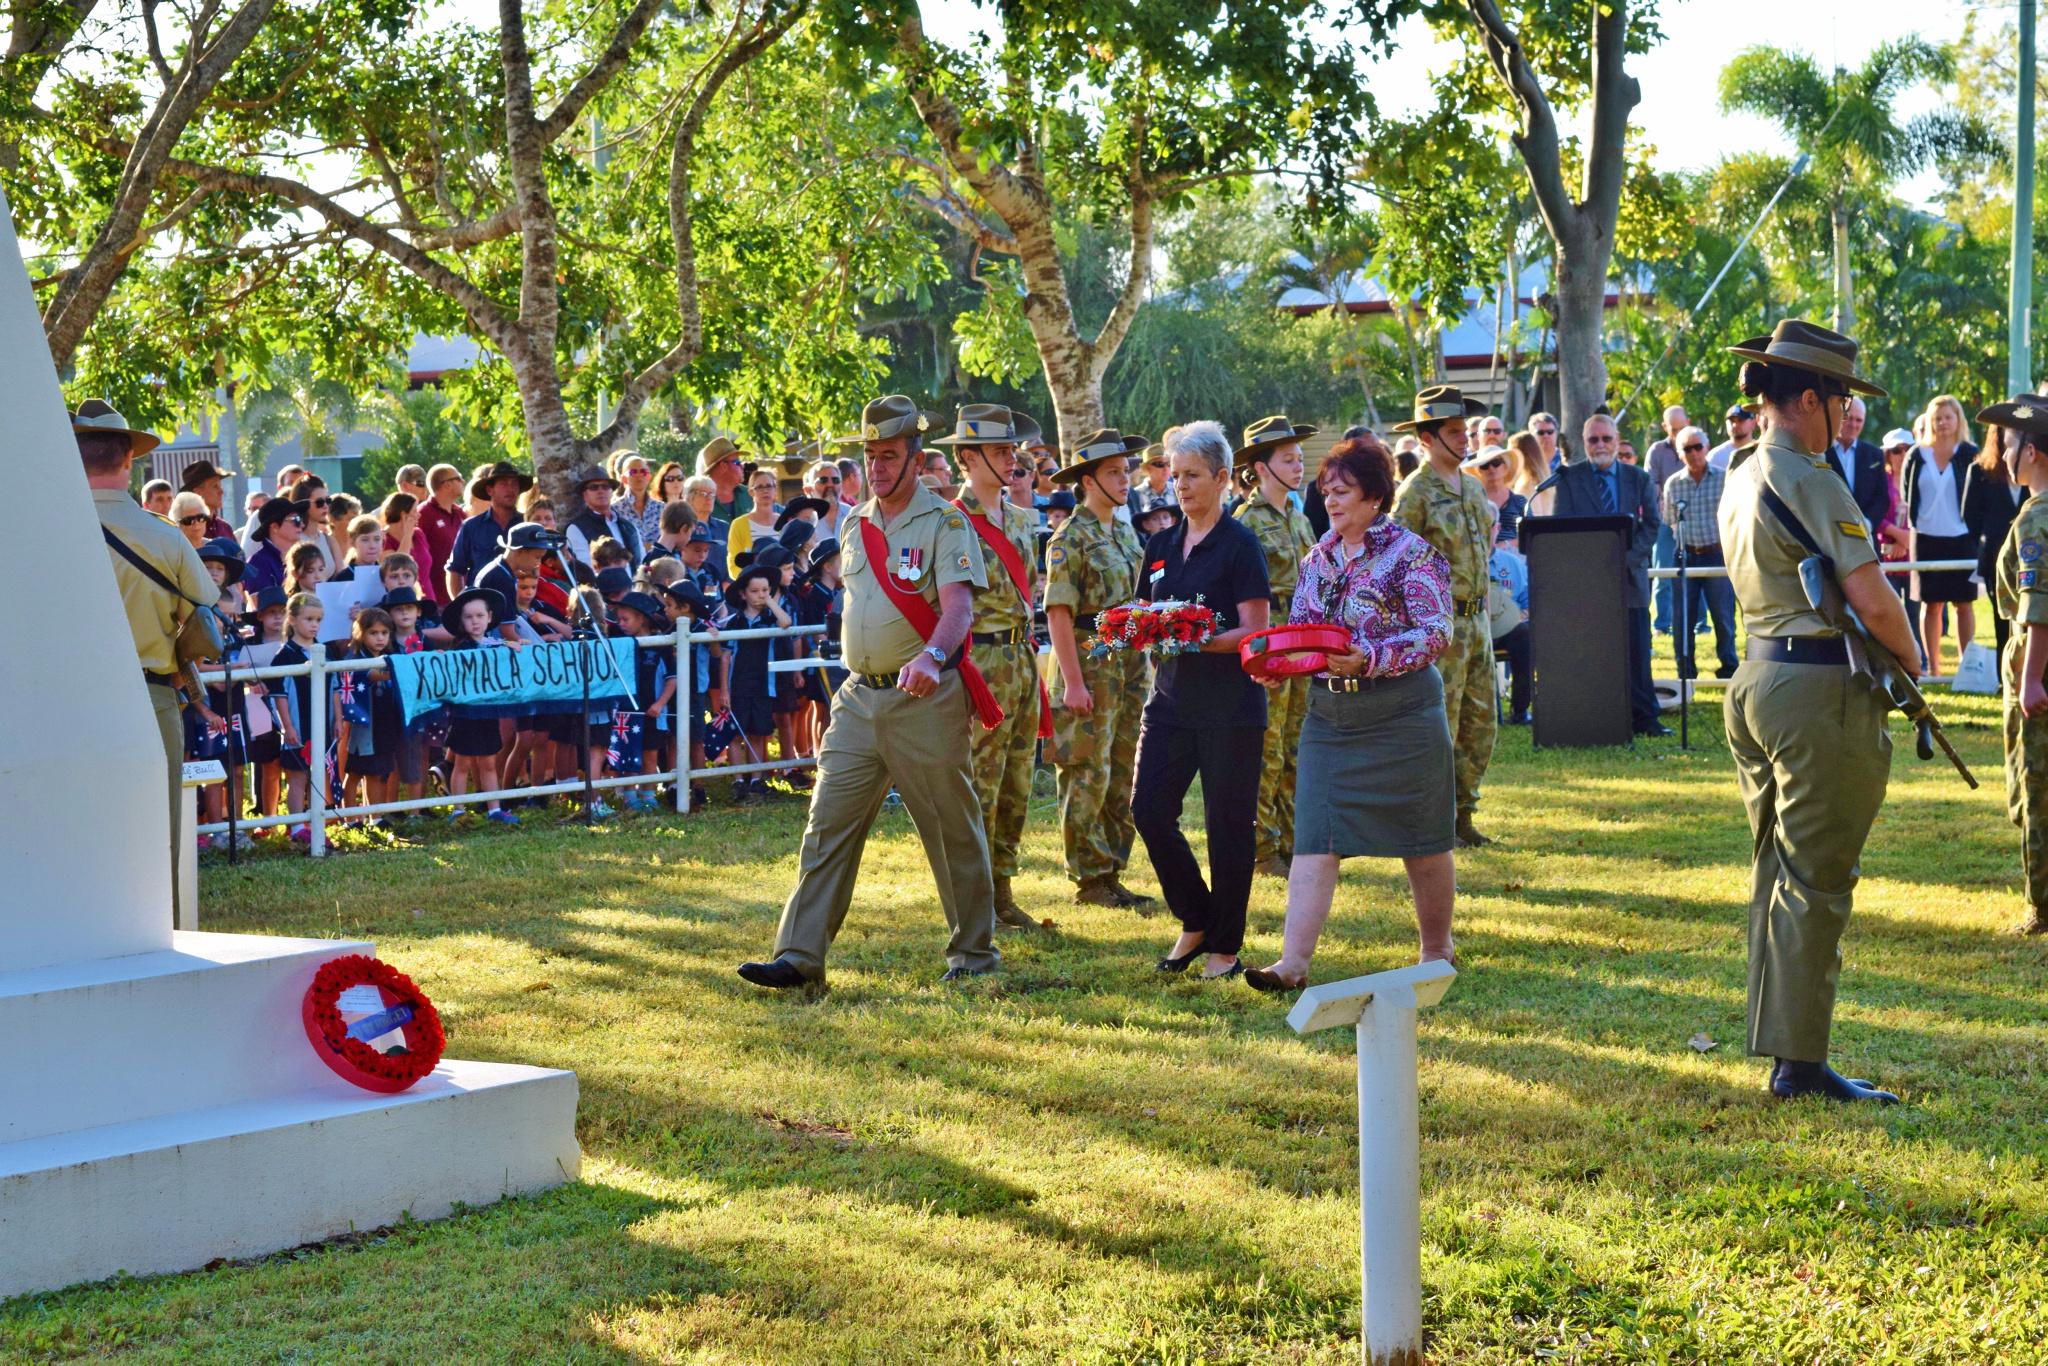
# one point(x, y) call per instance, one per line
point(1161, 628)
point(347, 1050)
point(1290, 651)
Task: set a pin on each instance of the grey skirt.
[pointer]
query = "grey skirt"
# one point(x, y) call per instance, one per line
point(1375, 775)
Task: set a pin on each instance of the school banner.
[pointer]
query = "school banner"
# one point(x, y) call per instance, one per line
point(548, 678)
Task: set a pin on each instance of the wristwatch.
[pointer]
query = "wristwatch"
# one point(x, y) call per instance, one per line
point(938, 655)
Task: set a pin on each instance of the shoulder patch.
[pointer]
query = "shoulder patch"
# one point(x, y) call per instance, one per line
point(953, 520)
point(1055, 556)
point(2030, 550)
point(2026, 578)
point(1856, 529)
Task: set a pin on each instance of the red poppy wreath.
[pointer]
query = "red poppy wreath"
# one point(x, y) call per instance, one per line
point(1289, 651)
point(345, 1045)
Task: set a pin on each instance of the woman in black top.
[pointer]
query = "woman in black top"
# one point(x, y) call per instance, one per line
point(1205, 715)
point(1931, 497)
point(1990, 502)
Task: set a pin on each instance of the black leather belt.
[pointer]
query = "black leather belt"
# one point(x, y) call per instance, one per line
point(875, 680)
point(156, 680)
point(1799, 649)
point(1016, 635)
point(1354, 684)
point(1468, 607)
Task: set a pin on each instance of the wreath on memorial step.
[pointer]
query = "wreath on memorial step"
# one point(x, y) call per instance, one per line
point(345, 1044)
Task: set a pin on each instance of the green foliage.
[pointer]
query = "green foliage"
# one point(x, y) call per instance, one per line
point(995, 340)
point(419, 429)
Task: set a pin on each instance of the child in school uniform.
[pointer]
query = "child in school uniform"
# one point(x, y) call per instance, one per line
point(473, 740)
point(688, 605)
point(305, 569)
point(373, 746)
point(303, 618)
point(264, 714)
point(366, 545)
point(752, 604)
point(639, 614)
point(404, 606)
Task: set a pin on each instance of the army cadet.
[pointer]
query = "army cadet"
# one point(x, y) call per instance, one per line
point(1269, 467)
point(1091, 563)
point(162, 583)
point(1808, 735)
point(1448, 508)
point(901, 717)
point(985, 437)
point(2021, 589)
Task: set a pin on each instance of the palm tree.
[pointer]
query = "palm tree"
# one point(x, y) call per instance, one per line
point(291, 400)
point(1849, 124)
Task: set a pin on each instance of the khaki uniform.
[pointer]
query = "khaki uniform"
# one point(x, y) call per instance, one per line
point(881, 736)
point(1007, 660)
point(1453, 514)
point(2021, 590)
point(1091, 565)
point(1286, 537)
point(1811, 752)
point(154, 618)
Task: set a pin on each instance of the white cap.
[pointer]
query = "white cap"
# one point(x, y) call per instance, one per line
point(1897, 436)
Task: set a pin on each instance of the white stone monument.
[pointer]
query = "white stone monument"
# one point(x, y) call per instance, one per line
point(1383, 1007)
point(159, 1103)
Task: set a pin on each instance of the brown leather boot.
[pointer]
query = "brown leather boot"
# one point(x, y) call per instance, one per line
point(1469, 838)
point(1137, 901)
point(1096, 891)
point(1008, 912)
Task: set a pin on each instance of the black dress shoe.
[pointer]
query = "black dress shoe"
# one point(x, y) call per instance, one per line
point(962, 974)
point(1180, 964)
point(781, 974)
point(1790, 1080)
point(1656, 728)
point(1236, 969)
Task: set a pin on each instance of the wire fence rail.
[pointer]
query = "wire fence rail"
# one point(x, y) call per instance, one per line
point(319, 811)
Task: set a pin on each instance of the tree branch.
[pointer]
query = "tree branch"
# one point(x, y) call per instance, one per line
point(1615, 95)
point(1103, 349)
point(1537, 139)
point(601, 71)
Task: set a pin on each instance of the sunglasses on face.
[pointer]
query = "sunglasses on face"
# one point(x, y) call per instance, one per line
point(319, 502)
point(1692, 446)
point(1600, 441)
point(829, 479)
point(1492, 464)
point(197, 518)
point(1546, 431)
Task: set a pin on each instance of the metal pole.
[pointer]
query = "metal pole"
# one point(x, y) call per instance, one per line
point(2020, 341)
point(1389, 1185)
point(685, 708)
point(316, 756)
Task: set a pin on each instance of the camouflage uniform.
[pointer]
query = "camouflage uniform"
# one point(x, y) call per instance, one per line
point(1456, 518)
point(1002, 757)
point(2022, 599)
point(1286, 536)
point(1091, 565)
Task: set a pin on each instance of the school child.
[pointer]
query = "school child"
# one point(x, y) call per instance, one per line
point(303, 618)
point(474, 741)
point(818, 595)
point(706, 570)
point(305, 569)
point(376, 731)
point(405, 606)
point(366, 545)
point(790, 701)
point(676, 522)
point(264, 714)
point(606, 553)
point(752, 605)
point(639, 614)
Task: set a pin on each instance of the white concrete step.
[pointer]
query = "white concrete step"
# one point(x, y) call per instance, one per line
point(209, 1022)
point(174, 1191)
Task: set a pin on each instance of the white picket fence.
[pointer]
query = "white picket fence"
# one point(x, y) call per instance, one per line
point(318, 812)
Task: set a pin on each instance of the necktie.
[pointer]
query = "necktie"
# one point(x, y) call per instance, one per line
point(1606, 482)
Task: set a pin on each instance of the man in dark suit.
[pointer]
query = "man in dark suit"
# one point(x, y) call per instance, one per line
point(1602, 486)
point(1860, 464)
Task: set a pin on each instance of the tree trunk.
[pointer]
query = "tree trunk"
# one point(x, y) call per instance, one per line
point(1845, 286)
point(1581, 315)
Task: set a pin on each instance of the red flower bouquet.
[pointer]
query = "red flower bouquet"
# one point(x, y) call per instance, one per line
point(1157, 628)
point(345, 1045)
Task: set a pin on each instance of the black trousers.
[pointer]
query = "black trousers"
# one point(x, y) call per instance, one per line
point(1228, 760)
point(1642, 693)
point(1515, 645)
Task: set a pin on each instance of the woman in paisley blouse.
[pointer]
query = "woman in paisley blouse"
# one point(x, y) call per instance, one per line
point(1375, 769)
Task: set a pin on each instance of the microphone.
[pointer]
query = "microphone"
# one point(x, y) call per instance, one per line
point(1551, 482)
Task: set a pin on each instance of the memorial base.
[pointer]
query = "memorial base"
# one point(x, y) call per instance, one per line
point(177, 1115)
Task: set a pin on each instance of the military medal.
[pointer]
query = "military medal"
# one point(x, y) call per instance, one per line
point(909, 563)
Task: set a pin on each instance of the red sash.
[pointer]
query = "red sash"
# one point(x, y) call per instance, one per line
point(924, 621)
point(993, 537)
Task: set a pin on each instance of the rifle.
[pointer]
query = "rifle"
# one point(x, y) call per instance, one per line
point(1867, 656)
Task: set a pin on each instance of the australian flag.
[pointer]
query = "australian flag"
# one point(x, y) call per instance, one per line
point(720, 735)
point(628, 740)
point(335, 794)
point(353, 694)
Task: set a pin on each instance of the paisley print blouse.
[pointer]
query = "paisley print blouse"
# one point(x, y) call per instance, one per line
point(1394, 596)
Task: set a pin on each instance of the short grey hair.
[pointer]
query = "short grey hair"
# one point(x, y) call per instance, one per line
point(1205, 440)
point(700, 483)
point(1688, 433)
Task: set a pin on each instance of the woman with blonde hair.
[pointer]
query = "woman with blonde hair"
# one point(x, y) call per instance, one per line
point(1530, 468)
point(1931, 496)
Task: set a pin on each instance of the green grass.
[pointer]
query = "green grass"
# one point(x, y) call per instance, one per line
point(1079, 1162)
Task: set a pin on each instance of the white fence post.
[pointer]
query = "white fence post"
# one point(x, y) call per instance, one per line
point(316, 762)
point(1383, 1006)
point(685, 711)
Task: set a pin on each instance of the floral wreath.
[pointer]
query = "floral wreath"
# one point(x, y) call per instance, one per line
point(345, 1047)
point(1290, 651)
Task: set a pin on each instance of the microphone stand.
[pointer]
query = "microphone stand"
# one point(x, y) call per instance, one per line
point(1686, 671)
